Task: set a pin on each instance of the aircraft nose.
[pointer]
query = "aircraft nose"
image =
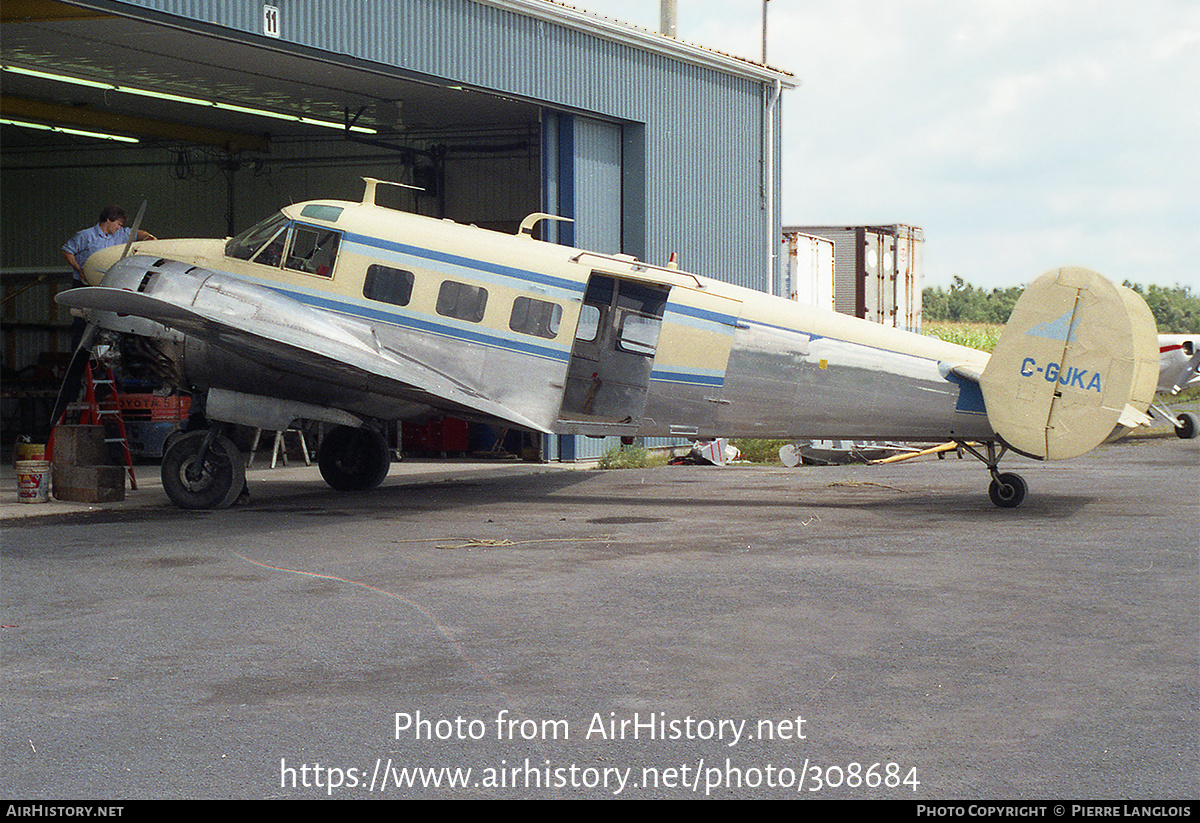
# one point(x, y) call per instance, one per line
point(98, 264)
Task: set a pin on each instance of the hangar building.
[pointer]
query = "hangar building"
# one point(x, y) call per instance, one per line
point(495, 108)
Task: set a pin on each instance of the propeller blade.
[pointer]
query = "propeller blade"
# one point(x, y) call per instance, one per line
point(74, 375)
point(137, 222)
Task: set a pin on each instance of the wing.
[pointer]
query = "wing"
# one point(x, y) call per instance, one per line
point(276, 330)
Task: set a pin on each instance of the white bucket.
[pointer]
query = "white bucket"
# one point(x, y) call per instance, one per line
point(33, 481)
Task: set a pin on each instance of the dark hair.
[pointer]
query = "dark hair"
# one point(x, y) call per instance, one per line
point(113, 212)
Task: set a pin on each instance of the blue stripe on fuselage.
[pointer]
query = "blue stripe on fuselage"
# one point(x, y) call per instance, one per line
point(727, 323)
point(419, 323)
point(688, 378)
point(575, 287)
point(970, 396)
point(471, 268)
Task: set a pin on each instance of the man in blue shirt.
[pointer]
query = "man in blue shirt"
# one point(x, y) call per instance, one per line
point(110, 231)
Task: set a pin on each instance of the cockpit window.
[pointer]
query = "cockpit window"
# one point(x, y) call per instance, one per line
point(272, 253)
point(247, 244)
point(313, 250)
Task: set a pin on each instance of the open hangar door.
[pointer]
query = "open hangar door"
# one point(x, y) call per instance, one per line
point(214, 133)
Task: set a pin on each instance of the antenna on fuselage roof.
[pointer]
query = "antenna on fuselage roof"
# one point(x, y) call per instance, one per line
point(369, 192)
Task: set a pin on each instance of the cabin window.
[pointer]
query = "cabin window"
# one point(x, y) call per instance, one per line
point(536, 317)
point(589, 323)
point(247, 244)
point(313, 250)
point(461, 301)
point(388, 285)
point(639, 334)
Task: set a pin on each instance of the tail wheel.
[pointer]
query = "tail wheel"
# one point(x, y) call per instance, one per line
point(196, 476)
point(354, 459)
point(1007, 490)
point(1186, 425)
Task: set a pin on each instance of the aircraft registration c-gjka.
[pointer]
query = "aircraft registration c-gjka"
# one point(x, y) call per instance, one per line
point(354, 313)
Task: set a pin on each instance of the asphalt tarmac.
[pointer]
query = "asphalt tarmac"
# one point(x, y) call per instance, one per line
point(515, 631)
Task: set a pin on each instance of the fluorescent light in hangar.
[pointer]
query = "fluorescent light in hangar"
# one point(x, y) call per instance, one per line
point(25, 124)
point(193, 101)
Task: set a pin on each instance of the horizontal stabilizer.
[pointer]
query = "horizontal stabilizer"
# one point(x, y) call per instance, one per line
point(1132, 418)
point(1078, 359)
point(967, 372)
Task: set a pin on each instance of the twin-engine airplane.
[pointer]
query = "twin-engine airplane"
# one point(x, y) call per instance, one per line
point(353, 313)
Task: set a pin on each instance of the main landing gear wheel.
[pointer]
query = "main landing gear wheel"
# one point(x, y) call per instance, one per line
point(203, 470)
point(1007, 490)
point(1187, 426)
point(354, 459)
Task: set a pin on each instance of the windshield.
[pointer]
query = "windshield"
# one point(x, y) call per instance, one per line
point(247, 244)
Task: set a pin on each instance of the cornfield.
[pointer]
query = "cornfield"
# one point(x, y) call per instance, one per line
point(982, 336)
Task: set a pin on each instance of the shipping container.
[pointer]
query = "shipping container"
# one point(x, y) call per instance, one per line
point(808, 272)
point(877, 271)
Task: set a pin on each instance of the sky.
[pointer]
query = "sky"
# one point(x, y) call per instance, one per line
point(1020, 135)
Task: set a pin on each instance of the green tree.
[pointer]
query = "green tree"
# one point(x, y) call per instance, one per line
point(964, 303)
point(1176, 309)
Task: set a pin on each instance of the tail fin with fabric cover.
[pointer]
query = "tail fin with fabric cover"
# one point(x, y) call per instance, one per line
point(1077, 360)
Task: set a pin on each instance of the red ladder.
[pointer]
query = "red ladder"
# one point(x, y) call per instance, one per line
point(94, 410)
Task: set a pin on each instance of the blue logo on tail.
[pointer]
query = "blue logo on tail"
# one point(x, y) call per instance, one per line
point(1062, 328)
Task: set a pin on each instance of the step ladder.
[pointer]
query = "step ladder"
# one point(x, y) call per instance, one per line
point(101, 409)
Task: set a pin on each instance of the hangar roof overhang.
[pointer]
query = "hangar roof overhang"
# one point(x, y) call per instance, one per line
point(168, 57)
point(162, 62)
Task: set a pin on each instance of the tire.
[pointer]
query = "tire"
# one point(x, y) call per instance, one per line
point(1186, 426)
point(221, 481)
point(354, 459)
point(1007, 490)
